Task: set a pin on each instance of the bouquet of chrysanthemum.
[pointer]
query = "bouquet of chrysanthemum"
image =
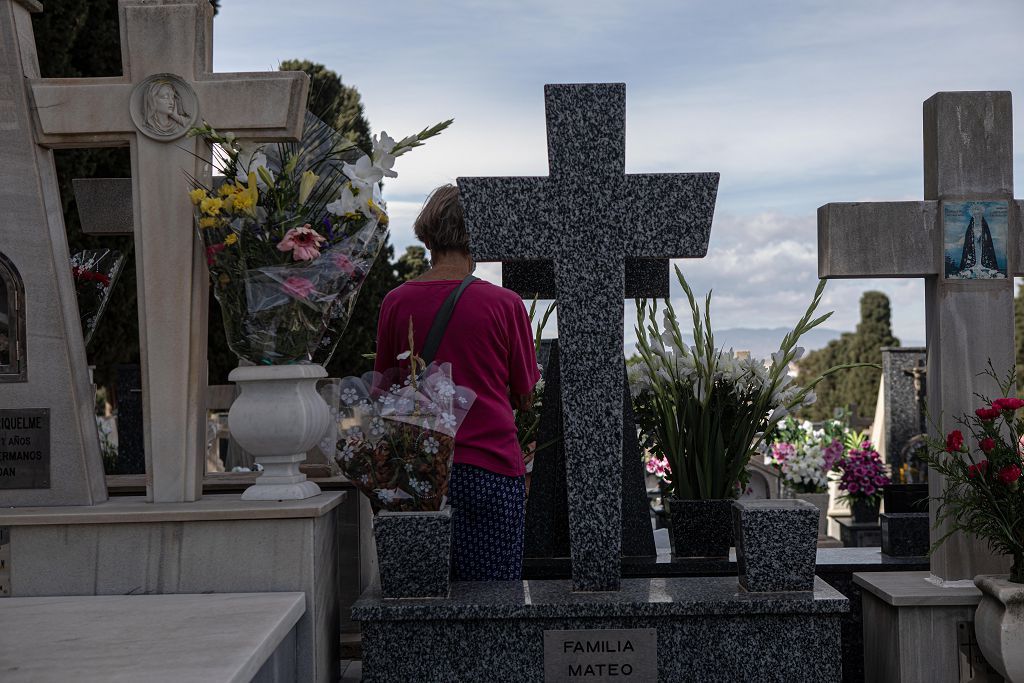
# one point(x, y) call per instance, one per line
point(704, 409)
point(95, 271)
point(291, 234)
point(396, 435)
point(804, 455)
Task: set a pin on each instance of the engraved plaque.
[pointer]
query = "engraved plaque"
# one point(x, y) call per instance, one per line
point(25, 449)
point(624, 654)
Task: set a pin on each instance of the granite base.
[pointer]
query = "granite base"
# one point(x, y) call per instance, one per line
point(708, 629)
point(414, 552)
point(905, 533)
point(219, 544)
point(856, 535)
point(776, 542)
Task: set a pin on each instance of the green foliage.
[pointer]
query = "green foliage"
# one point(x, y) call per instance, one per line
point(858, 385)
point(336, 104)
point(707, 411)
point(412, 263)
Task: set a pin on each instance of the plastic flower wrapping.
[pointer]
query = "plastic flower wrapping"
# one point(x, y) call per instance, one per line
point(291, 234)
point(805, 455)
point(396, 435)
point(95, 271)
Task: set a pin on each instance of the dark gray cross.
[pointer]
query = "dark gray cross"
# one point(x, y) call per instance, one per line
point(968, 167)
point(588, 216)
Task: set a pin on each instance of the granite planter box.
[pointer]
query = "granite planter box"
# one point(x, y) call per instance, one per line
point(820, 501)
point(414, 553)
point(864, 511)
point(905, 498)
point(699, 528)
point(776, 544)
point(904, 534)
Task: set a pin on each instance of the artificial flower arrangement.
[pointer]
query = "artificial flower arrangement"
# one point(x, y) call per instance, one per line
point(983, 495)
point(702, 409)
point(291, 234)
point(396, 433)
point(804, 454)
point(862, 476)
point(95, 271)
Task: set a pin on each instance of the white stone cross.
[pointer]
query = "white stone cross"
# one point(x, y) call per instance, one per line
point(968, 173)
point(588, 216)
point(166, 87)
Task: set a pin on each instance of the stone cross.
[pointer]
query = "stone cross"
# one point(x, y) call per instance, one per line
point(588, 216)
point(968, 174)
point(166, 52)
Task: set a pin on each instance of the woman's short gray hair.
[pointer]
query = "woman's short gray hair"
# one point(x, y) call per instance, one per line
point(440, 224)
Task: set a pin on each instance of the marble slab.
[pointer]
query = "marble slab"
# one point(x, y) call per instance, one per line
point(912, 589)
point(153, 638)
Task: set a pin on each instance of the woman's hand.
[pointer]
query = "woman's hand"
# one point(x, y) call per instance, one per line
point(521, 401)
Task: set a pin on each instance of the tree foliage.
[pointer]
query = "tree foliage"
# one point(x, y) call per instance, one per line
point(858, 386)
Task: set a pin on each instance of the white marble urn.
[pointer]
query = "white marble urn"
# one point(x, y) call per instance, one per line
point(999, 625)
point(277, 418)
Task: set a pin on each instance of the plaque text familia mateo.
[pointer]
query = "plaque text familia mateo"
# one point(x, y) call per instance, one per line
point(601, 655)
point(25, 449)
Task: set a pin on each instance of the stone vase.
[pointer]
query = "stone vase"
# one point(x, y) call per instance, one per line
point(905, 498)
point(820, 501)
point(700, 528)
point(277, 417)
point(865, 511)
point(414, 552)
point(999, 625)
point(776, 544)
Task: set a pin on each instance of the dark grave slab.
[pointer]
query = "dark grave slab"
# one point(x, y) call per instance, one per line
point(904, 534)
point(131, 454)
point(857, 535)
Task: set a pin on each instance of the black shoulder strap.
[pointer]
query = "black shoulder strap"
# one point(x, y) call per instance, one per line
point(444, 314)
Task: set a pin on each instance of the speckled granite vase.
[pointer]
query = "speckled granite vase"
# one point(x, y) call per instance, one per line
point(414, 553)
point(700, 528)
point(776, 544)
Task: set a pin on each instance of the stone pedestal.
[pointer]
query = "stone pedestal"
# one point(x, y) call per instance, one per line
point(705, 629)
point(916, 631)
point(219, 544)
point(854, 535)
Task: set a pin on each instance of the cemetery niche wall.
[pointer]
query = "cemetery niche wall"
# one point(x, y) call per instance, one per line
point(588, 217)
point(136, 562)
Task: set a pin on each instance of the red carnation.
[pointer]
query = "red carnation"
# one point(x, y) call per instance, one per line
point(954, 441)
point(977, 470)
point(987, 444)
point(987, 414)
point(1010, 404)
point(1009, 474)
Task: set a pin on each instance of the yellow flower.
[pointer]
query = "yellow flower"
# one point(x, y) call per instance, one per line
point(207, 222)
point(306, 184)
point(211, 205)
point(243, 201)
point(227, 189)
point(230, 239)
point(197, 195)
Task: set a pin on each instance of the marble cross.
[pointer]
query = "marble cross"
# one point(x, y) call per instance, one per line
point(588, 216)
point(166, 48)
point(968, 189)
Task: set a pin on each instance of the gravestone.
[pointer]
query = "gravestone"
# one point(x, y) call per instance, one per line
point(587, 217)
point(49, 445)
point(166, 87)
point(902, 418)
point(968, 181)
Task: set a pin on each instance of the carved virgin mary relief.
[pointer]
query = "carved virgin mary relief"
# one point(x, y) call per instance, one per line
point(164, 107)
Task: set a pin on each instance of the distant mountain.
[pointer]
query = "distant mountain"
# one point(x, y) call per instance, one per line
point(762, 342)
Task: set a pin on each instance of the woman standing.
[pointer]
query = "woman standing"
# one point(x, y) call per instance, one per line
point(489, 343)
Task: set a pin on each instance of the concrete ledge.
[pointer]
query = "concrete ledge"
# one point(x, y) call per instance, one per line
point(135, 509)
point(220, 637)
point(911, 589)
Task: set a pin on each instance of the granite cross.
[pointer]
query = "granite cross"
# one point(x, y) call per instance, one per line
point(968, 175)
point(588, 216)
point(166, 87)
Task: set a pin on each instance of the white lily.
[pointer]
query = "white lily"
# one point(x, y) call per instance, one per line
point(363, 171)
point(382, 156)
point(250, 160)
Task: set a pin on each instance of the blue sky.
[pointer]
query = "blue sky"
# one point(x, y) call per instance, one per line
point(796, 103)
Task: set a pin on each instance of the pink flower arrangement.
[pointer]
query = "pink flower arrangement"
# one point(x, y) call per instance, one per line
point(304, 243)
point(658, 467)
point(863, 474)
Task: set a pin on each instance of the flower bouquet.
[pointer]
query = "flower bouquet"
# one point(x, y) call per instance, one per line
point(862, 479)
point(397, 436)
point(706, 410)
point(804, 455)
point(983, 495)
point(290, 235)
point(95, 271)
